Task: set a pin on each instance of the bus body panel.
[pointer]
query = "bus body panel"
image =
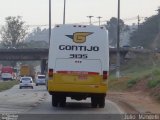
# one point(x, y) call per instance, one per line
point(78, 63)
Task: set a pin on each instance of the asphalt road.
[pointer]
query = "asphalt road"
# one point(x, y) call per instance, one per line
point(17, 100)
point(35, 104)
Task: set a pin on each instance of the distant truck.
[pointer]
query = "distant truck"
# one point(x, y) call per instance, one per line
point(7, 73)
point(78, 64)
point(27, 70)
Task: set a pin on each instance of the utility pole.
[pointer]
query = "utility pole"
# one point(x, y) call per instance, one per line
point(138, 20)
point(49, 21)
point(118, 40)
point(64, 13)
point(90, 22)
point(99, 17)
point(159, 18)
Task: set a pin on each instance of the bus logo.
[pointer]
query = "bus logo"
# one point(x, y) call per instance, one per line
point(79, 37)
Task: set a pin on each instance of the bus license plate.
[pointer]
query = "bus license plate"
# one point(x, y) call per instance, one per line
point(82, 77)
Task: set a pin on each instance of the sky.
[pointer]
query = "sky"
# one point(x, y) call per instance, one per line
point(35, 12)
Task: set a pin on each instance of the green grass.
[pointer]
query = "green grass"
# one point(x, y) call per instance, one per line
point(129, 79)
point(135, 70)
point(4, 85)
point(117, 84)
point(153, 83)
point(145, 67)
point(131, 82)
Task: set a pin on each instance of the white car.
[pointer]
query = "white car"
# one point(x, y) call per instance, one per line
point(26, 82)
point(40, 80)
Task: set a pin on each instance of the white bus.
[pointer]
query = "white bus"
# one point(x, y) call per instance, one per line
point(78, 64)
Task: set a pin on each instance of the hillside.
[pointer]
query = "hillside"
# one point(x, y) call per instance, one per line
point(156, 42)
point(139, 74)
point(147, 34)
point(138, 88)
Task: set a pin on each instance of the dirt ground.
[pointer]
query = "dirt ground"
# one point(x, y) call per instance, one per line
point(136, 99)
point(135, 102)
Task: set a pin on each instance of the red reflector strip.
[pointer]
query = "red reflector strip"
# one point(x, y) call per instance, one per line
point(105, 74)
point(93, 73)
point(50, 72)
point(78, 72)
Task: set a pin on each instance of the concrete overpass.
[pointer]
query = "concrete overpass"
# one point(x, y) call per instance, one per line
point(41, 54)
point(23, 54)
point(34, 54)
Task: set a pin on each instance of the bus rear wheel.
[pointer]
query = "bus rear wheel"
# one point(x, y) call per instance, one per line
point(58, 100)
point(101, 101)
point(98, 100)
point(94, 102)
point(54, 101)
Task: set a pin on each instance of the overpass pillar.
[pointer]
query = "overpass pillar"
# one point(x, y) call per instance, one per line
point(43, 66)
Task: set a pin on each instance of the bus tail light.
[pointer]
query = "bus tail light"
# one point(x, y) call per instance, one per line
point(105, 75)
point(50, 73)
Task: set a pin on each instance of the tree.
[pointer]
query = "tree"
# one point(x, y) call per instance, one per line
point(36, 44)
point(112, 29)
point(13, 32)
point(38, 34)
point(148, 33)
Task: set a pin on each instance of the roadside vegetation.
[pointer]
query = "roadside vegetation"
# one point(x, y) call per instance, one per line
point(141, 73)
point(4, 85)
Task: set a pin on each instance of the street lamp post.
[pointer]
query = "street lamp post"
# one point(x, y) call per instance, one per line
point(159, 18)
point(118, 40)
point(90, 17)
point(99, 20)
point(49, 20)
point(64, 13)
